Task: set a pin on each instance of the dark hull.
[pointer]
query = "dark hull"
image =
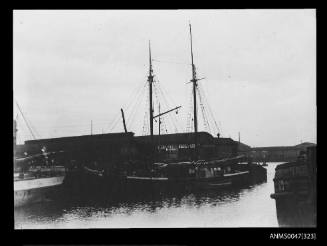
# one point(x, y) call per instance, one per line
point(295, 206)
point(190, 184)
point(295, 192)
point(294, 210)
point(85, 184)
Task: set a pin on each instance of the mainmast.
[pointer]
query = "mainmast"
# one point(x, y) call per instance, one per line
point(194, 81)
point(150, 80)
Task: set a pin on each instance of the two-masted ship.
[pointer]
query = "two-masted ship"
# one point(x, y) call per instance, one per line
point(120, 161)
point(203, 168)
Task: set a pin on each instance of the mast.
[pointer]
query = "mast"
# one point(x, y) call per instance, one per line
point(150, 80)
point(194, 81)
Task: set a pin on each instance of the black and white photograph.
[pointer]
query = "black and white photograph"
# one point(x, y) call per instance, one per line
point(202, 118)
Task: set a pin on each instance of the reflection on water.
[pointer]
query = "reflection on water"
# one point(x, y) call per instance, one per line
point(247, 207)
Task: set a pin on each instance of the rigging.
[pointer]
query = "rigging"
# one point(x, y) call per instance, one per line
point(30, 129)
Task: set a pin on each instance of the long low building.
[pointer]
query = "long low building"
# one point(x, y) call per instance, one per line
point(279, 153)
point(122, 146)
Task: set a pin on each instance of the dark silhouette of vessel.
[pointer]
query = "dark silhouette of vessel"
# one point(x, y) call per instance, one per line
point(295, 191)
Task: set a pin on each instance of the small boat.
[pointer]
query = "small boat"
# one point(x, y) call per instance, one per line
point(94, 172)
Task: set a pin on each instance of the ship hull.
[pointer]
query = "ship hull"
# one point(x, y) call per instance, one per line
point(35, 190)
point(179, 184)
point(294, 211)
point(295, 192)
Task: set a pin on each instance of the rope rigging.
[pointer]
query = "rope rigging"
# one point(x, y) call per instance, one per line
point(134, 95)
point(156, 96)
point(182, 63)
point(115, 120)
point(207, 114)
point(128, 107)
point(204, 113)
point(27, 124)
point(208, 107)
point(172, 119)
point(163, 122)
point(135, 109)
point(189, 125)
point(146, 126)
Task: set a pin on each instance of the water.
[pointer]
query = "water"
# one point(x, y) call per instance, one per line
point(247, 207)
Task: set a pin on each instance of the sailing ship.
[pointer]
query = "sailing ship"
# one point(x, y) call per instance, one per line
point(202, 170)
point(124, 160)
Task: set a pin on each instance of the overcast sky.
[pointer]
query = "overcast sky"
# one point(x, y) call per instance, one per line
point(259, 69)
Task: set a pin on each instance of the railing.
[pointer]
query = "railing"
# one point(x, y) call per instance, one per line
point(40, 172)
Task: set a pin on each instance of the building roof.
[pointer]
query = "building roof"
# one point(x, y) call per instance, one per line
point(305, 144)
point(75, 142)
point(225, 141)
point(243, 147)
point(301, 146)
point(111, 137)
point(273, 148)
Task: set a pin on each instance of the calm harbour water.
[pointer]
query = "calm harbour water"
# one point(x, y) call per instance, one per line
point(247, 207)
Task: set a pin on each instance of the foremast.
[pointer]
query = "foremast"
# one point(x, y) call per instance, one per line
point(194, 81)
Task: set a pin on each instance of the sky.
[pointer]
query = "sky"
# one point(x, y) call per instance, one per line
point(75, 69)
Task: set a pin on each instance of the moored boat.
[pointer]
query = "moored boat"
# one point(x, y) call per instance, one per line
point(295, 191)
point(203, 170)
point(37, 178)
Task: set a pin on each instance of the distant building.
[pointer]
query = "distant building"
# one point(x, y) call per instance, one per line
point(279, 153)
